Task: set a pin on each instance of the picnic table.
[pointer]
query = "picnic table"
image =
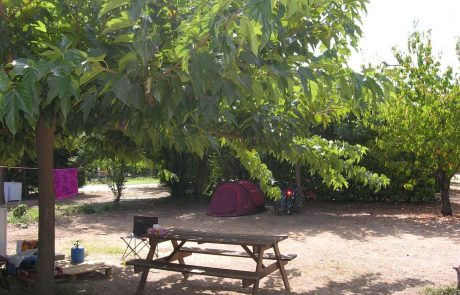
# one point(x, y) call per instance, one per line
point(254, 246)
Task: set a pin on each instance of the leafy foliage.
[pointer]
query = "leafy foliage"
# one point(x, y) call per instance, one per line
point(186, 76)
point(420, 120)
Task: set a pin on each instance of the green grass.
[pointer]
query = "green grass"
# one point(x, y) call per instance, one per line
point(94, 249)
point(142, 180)
point(443, 290)
point(136, 180)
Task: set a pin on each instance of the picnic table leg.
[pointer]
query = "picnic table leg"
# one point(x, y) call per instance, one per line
point(281, 268)
point(260, 259)
point(145, 273)
point(181, 260)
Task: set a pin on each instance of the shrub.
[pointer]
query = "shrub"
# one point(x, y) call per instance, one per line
point(444, 290)
point(20, 210)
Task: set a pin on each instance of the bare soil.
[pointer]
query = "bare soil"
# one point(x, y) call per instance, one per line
point(342, 248)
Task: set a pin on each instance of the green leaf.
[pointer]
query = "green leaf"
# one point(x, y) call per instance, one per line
point(122, 89)
point(98, 58)
point(126, 59)
point(12, 112)
point(116, 24)
point(40, 26)
point(87, 105)
point(318, 118)
point(123, 38)
point(64, 103)
point(247, 30)
point(89, 75)
point(110, 5)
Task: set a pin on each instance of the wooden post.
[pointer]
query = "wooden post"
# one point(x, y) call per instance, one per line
point(46, 243)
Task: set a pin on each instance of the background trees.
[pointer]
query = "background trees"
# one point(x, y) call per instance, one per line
point(420, 120)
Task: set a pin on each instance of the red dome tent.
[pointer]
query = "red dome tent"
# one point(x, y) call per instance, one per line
point(236, 198)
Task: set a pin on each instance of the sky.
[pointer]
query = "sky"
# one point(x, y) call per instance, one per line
point(388, 23)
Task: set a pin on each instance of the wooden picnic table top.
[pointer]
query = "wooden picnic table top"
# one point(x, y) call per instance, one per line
point(219, 238)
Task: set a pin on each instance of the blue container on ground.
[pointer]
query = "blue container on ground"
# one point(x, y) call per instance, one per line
point(77, 254)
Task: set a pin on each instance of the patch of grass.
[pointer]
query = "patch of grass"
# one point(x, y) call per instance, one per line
point(93, 249)
point(22, 215)
point(142, 180)
point(443, 290)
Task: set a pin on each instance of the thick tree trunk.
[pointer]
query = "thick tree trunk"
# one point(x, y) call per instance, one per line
point(2, 191)
point(444, 185)
point(45, 265)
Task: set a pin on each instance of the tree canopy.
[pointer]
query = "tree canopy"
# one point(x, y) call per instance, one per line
point(254, 75)
point(421, 117)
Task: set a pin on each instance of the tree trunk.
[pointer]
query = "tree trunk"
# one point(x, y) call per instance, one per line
point(201, 176)
point(444, 185)
point(45, 265)
point(298, 177)
point(2, 190)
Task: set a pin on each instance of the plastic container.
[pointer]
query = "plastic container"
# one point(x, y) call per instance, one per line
point(77, 254)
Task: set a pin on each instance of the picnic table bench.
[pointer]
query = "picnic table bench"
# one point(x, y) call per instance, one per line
point(254, 247)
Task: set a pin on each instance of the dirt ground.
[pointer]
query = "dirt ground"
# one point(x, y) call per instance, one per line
point(353, 248)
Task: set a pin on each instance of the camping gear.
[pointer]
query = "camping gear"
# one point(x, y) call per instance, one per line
point(242, 197)
point(24, 245)
point(157, 230)
point(77, 253)
point(65, 183)
point(290, 200)
point(134, 241)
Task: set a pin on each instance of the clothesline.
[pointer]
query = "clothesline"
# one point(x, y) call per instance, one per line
point(31, 168)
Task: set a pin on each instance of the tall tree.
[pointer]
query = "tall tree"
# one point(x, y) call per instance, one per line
point(422, 116)
point(188, 75)
point(39, 86)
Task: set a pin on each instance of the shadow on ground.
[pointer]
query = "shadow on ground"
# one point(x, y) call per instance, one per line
point(124, 281)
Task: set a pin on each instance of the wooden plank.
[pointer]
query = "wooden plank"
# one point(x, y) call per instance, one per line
point(84, 268)
point(281, 268)
point(196, 270)
point(181, 259)
point(266, 271)
point(221, 252)
point(177, 256)
point(145, 273)
point(260, 259)
point(220, 238)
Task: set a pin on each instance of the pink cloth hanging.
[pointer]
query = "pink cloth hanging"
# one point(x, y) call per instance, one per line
point(65, 183)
